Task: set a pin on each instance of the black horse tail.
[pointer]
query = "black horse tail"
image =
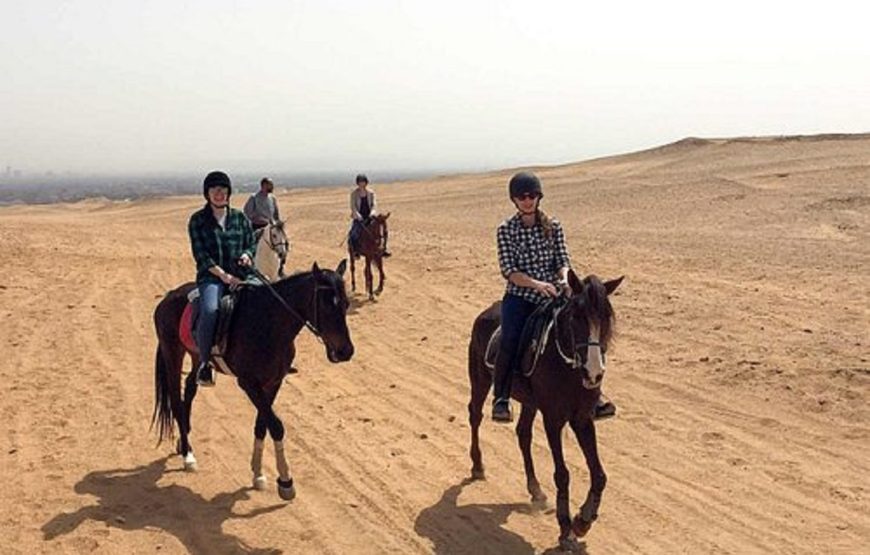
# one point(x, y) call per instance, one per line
point(162, 405)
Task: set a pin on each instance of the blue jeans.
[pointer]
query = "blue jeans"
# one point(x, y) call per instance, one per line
point(356, 227)
point(209, 303)
point(515, 311)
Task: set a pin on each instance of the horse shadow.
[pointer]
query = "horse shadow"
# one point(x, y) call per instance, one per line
point(475, 528)
point(131, 499)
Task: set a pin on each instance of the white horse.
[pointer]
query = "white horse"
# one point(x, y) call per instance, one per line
point(273, 247)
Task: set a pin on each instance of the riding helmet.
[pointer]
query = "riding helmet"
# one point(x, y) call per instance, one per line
point(361, 178)
point(217, 179)
point(525, 182)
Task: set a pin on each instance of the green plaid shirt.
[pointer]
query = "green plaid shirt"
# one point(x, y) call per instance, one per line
point(214, 246)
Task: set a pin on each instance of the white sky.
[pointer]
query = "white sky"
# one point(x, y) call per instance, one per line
point(123, 86)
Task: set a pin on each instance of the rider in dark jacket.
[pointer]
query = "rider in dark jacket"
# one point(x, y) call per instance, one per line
point(223, 246)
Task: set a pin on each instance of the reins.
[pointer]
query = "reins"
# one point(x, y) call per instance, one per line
point(311, 327)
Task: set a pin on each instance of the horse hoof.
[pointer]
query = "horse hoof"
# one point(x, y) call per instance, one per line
point(478, 474)
point(569, 544)
point(190, 463)
point(580, 527)
point(286, 490)
point(539, 497)
point(259, 483)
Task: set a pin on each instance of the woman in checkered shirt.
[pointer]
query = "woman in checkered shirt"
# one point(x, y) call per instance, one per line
point(534, 261)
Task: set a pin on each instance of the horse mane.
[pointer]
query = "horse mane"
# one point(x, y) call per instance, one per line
point(294, 279)
point(599, 308)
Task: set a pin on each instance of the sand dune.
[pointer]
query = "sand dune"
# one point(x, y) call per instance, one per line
point(741, 371)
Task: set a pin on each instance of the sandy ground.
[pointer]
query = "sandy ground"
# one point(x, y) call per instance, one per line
point(741, 370)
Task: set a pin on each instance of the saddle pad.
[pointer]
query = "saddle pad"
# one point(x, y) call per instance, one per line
point(186, 327)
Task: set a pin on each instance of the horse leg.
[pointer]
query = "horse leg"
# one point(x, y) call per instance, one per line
point(380, 263)
point(257, 454)
point(259, 443)
point(553, 426)
point(170, 359)
point(369, 280)
point(524, 437)
point(352, 269)
point(263, 401)
point(480, 381)
point(584, 429)
point(184, 448)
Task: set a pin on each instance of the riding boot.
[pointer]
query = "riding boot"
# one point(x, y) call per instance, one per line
point(501, 406)
point(604, 408)
point(205, 375)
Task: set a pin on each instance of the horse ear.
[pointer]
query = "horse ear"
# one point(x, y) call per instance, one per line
point(387, 215)
point(342, 266)
point(574, 282)
point(611, 285)
point(315, 269)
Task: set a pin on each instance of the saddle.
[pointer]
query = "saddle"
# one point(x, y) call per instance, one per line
point(187, 327)
point(533, 339)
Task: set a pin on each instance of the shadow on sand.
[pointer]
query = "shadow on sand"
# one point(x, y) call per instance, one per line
point(131, 499)
point(474, 529)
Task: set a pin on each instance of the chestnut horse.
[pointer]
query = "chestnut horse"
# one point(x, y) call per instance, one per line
point(370, 246)
point(259, 352)
point(565, 386)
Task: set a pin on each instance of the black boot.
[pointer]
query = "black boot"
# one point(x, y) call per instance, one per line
point(205, 375)
point(501, 405)
point(604, 408)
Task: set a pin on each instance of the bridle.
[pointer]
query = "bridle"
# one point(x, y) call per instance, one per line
point(380, 225)
point(313, 327)
point(277, 245)
point(575, 361)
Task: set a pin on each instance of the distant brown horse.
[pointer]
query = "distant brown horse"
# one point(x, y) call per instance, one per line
point(371, 246)
point(259, 351)
point(565, 387)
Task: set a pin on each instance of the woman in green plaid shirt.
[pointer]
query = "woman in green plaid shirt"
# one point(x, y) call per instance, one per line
point(222, 242)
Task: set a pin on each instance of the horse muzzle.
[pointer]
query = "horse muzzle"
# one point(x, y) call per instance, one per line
point(592, 383)
point(342, 354)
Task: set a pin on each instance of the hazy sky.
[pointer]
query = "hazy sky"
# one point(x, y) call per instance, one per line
point(124, 86)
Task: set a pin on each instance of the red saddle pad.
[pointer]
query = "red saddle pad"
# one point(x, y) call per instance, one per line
point(185, 329)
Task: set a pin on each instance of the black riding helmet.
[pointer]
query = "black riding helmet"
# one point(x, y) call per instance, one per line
point(525, 182)
point(217, 179)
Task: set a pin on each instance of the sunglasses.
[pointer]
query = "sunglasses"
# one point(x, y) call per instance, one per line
point(527, 196)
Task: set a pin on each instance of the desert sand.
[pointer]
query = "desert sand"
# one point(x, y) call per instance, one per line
point(741, 369)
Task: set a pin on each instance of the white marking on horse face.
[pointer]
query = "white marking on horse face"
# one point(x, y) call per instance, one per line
point(277, 241)
point(594, 359)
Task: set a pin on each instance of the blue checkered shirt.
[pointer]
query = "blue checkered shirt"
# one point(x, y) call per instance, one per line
point(525, 249)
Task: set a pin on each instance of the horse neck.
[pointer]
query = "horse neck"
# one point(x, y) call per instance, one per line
point(370, 238)
point(297, 291)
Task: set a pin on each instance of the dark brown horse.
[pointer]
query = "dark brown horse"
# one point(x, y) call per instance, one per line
point(259, 351)
point(565, 387)
point(371, 246)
